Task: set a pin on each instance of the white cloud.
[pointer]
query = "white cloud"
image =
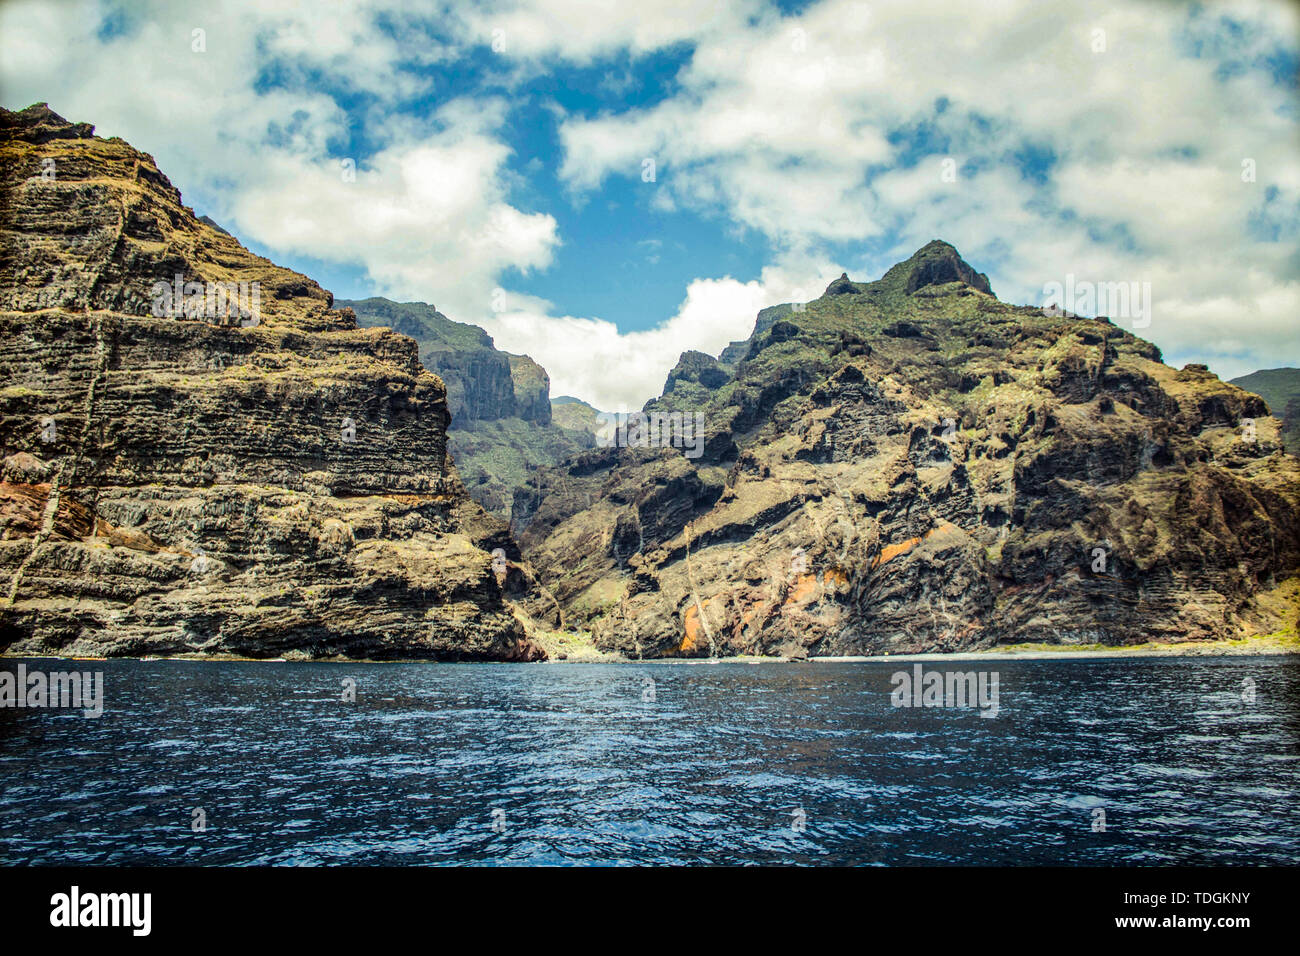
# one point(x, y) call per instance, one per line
point(591, 359)
point(785, 129)
point(424, 217)
point(579, 31)
point(613, 370)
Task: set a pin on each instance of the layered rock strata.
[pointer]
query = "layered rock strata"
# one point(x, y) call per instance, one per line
point(201, 455)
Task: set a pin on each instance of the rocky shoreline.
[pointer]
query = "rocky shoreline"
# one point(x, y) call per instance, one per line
point(1269, 646)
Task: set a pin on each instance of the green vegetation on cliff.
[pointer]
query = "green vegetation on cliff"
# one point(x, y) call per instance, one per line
point(1280, 387)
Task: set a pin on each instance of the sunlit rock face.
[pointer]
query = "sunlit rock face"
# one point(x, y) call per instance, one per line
point(201, 455)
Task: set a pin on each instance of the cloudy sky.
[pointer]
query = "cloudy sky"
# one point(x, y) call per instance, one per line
point(603, 185)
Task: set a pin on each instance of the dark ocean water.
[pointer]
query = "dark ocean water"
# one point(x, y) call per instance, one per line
point(580, 764)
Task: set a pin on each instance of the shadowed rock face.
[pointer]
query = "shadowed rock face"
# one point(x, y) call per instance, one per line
point(212, 484)
point(912, 465)
point(938, 263)
point(699, 369)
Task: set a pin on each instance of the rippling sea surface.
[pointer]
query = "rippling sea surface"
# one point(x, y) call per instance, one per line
point(657, 763)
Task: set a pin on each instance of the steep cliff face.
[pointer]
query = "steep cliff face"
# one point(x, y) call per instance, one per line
point(501, 427)
point(912, 465)
point(532, 388)
point(92, 224)
point(192, 465)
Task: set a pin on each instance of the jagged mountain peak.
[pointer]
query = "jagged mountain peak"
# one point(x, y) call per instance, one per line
point(697, 367)
point(841, 286)
point(935, 263)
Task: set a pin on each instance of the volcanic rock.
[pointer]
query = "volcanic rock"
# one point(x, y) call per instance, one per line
point(919, 466)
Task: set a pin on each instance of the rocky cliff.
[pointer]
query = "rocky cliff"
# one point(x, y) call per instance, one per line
point(913, 465)
point(501, 427)
point(201, 455)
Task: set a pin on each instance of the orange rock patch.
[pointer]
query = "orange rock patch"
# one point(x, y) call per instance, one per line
point(889, 552)
point(691, 623)
point(804, 587)
point(835, 576)
point(22, 508)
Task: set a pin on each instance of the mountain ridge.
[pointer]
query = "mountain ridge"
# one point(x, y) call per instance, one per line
point(910, 465)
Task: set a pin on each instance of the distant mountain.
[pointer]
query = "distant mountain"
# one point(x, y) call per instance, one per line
point(1280, 387)
point(209, 221)
point(501, 412)
point(483, 383)
point(575, 414)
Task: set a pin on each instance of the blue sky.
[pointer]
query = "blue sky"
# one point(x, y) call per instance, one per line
point(621, 258)
point(500, 146)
